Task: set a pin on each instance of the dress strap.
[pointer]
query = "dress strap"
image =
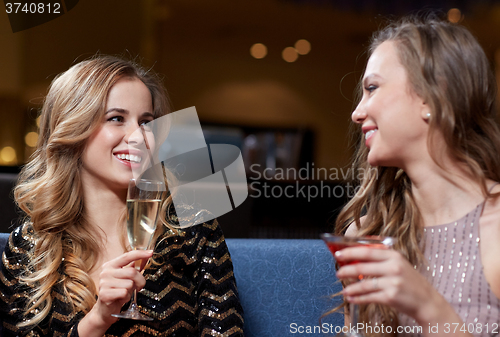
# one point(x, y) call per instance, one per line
point(489, 190)
point(492, 186)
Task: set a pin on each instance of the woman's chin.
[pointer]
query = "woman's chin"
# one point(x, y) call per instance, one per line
point(372, 159)
point(123, 180)
point(382, 162)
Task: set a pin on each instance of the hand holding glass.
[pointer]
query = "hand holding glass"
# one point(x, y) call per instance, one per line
point(336, 243)
point(143, 203)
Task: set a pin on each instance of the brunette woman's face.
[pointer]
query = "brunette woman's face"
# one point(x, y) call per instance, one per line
point(392, 115)
point(116, 147)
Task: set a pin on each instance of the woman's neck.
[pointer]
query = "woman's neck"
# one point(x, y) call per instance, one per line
point(443, 194)
point(105, 210)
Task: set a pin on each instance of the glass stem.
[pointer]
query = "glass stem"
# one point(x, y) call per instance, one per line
point(133, 301)
point(133, 298)
point(354, 315)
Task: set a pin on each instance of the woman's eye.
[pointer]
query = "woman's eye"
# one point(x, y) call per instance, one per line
point(115, 119)
point(146, 125)
point(371, 88)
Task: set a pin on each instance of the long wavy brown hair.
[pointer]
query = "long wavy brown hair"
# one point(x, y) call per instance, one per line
point(49, 188)
point(448, 69)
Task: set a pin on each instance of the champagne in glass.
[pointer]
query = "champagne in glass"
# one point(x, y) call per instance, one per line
point(336, 243)
point(143, 203)
point(141, 221)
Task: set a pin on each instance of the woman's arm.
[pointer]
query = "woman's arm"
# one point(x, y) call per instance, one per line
point(397, 284)
point(217, 288)
point(489, 233)
point(391, 280)
point(13, 294)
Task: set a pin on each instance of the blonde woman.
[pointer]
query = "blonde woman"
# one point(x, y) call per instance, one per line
point(429, 125)
point(66, 270)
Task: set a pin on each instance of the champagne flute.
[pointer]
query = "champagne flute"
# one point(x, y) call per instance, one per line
point(143, 203)
point(336, 243)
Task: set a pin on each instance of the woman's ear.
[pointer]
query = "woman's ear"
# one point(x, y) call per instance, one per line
point(426, 112)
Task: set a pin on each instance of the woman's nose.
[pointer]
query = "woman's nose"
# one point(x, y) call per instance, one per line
point(134, 134)
point(358, 115)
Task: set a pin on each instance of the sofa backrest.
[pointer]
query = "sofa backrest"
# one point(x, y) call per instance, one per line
point(8, 210)
point(4, 237)
point(285, 286)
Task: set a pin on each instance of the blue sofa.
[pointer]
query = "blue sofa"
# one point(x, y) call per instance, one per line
point(284, 286)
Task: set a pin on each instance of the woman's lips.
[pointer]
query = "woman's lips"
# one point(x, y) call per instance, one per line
point(129, 157)
point(369, 135)
point(132, 161)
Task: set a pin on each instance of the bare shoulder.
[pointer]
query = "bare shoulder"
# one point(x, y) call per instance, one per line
point(352, 230)
point(490, 218)
point(489, 233)
point(494, 202)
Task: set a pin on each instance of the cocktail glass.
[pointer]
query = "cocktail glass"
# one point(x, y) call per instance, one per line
point(336, 243)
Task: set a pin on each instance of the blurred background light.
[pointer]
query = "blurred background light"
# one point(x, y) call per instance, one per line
point(454, 15)
point(303, 47)
point(290, 54)
point(8, 155)
point(31, 138)
point(258, 51)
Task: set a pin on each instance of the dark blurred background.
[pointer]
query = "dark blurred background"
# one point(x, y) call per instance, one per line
point(276, 78)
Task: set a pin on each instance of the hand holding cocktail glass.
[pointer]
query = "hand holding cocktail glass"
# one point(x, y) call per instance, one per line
point(337, 243)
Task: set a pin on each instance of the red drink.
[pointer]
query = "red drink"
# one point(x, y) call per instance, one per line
point(336, 243)
point(335, 246)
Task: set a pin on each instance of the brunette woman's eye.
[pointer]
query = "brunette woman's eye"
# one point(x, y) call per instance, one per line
point(371, 88)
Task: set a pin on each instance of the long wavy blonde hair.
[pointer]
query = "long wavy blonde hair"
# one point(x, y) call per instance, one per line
point(49, 188)
point(448, 69)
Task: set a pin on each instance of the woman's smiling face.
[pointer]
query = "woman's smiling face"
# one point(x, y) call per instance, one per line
point(392, 115)
point(114, 148)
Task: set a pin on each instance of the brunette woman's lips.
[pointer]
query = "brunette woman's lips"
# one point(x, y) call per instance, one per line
point(369, 134)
